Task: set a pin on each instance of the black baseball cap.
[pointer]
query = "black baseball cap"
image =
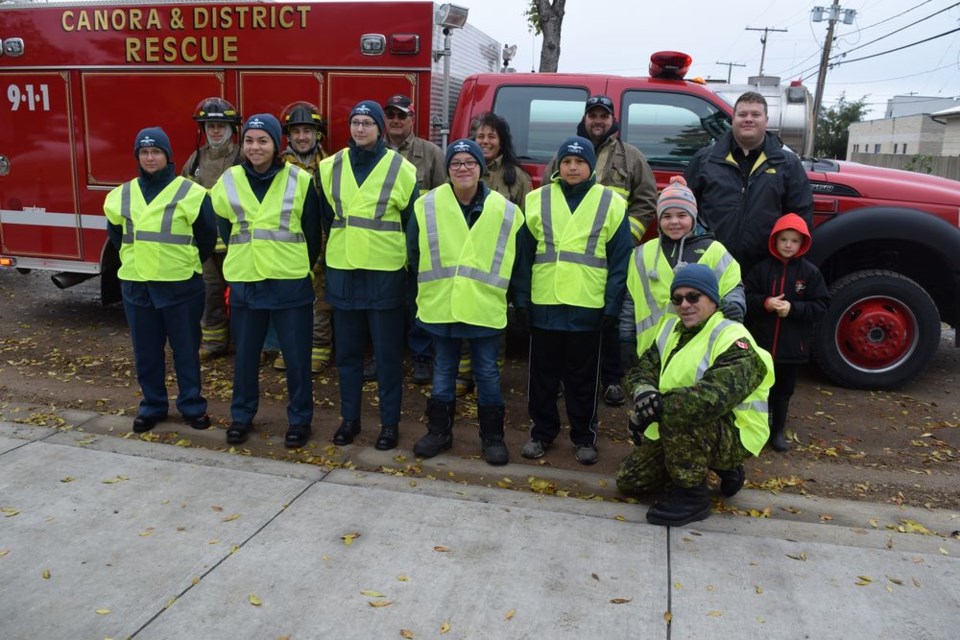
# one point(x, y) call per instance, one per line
point(599, 101)
point(401, 102)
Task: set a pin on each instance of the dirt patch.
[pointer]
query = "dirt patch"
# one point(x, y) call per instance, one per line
point(61, 349)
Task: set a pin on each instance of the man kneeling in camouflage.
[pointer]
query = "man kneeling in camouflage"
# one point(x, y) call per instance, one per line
point(700, 402)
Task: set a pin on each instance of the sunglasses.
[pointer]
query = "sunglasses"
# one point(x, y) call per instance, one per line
point(396, 115)
point(692, 297)
point(600, 101)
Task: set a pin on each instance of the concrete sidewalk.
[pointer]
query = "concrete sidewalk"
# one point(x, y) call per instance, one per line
point(102, 537)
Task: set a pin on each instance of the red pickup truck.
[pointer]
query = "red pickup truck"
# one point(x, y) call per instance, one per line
point(888, 242)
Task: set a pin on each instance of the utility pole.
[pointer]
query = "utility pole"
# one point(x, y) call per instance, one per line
point(763, 41)
point(832, 13)
point(730, 66)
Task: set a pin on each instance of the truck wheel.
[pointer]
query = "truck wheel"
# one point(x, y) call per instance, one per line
point(880, 331)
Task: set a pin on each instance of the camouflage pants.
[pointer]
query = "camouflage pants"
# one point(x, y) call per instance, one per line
point(681, 457)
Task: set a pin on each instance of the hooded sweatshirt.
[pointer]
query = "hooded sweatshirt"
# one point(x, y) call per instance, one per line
point(800, 282)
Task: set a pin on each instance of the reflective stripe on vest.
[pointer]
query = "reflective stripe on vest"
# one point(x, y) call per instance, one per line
point(750, 416)
point(383, 200)
point(490, 277)
point(463, 271)
point(282, 233)
point(649, 311)
point(589, 256)
point(157, 243)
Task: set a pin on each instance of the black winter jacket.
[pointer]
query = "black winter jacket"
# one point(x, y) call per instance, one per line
point(787, 339)
point(741, 212)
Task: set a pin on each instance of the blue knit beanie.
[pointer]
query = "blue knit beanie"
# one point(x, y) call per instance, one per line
point(700, 277)
point(153, 137)
point(267, 123)
point(372, 109)
point(577, 146)
point(465, 145)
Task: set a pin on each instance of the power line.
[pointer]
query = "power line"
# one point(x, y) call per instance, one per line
point(883, 53)
point(892, 33)
point(877, 24)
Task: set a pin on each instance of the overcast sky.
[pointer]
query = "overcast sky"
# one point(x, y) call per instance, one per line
point(618, 36)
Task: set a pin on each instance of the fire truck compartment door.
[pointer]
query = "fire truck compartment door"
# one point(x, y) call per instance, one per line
point(38, 207)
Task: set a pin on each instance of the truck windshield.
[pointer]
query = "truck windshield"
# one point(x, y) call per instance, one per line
point(669, 128)
point(540, 117)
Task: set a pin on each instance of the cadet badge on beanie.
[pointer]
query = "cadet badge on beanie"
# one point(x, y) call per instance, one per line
point(676, 195)
point(466, 146)
point(577, 146)
point(153, 137)
point(267, 123)
point(371, 109)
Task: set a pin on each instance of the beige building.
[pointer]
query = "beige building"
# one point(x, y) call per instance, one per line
point(905, 135)
point(951, 130)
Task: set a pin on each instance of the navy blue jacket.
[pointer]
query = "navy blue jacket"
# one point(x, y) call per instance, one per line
point(741, 211)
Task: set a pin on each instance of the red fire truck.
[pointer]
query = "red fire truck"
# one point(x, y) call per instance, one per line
point(81, 79)
point(887, 241)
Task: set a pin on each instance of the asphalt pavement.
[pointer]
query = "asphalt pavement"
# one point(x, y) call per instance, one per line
point(105, 537)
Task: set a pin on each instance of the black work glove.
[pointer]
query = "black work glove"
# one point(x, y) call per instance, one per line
point(648, 406)
point(609, 322)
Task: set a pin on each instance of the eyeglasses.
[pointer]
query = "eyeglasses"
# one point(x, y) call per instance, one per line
point(465, 164)
point(361, 124)
point(692, 297)
point(397, 115)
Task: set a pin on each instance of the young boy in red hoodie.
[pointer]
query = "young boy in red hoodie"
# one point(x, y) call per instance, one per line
point(786, 296)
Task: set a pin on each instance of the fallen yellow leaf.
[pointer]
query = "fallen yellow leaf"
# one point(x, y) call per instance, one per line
point(442, 549)
point(231, 518)
point(667, 616)
point(406, 633)
point(103, 612)
point(9, 511)
point(348, 538)
point(714, 613)
point(380, 603)
point(4, 552)
point(46, 574)
point(67, 479)
point(254, 600)
point(619, 517)
point(509, 614)
point(758, 589)
point(896, 581)
point(445, 626)
point(403, 578)
point(372, 594)
point(621, 600)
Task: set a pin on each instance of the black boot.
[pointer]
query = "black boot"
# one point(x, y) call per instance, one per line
point(388, 439)
point(491, 435)
point(778, 422)
point(681, 507)
point(349, 429)
point(731, 480)
point(439, 436)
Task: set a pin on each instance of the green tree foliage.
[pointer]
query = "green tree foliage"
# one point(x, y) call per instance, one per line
point(833, 126)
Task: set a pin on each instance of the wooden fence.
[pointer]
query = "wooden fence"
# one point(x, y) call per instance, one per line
point(944, 166)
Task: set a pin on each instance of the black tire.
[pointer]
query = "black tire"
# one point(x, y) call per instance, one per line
point(880, 332)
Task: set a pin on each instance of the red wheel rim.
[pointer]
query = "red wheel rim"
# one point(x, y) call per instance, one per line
point(876, 333)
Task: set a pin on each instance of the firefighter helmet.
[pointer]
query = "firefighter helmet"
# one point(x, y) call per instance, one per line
point(216, 109)
point(302, 113)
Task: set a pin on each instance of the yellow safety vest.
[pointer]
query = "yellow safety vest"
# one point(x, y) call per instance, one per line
point(464, 271)
point(651, 298)
point(367, 230)
point(570, 265)
point(158, 242)
point(688, 365)
point(266, 238)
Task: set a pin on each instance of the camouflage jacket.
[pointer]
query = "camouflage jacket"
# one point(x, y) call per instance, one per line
point(427, 158)
point(732, 377)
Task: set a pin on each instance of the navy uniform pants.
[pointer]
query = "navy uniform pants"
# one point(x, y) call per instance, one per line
point(150, 329)
point(385, 327)
point(294, 328)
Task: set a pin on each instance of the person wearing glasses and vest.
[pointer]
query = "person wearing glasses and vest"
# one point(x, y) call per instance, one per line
point(577, 239)
point(269, 219)
point(368, 193)
point(700, 403)
point(678, 244)
point(163, 226)
point(462, 245)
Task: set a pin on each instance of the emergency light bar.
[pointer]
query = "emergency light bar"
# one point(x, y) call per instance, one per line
point(669, 65)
